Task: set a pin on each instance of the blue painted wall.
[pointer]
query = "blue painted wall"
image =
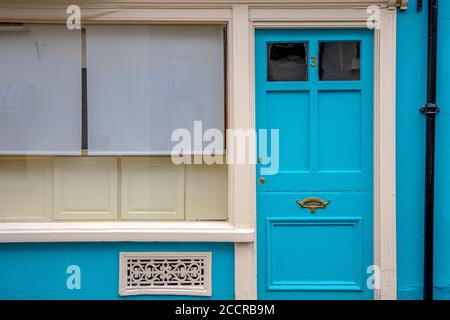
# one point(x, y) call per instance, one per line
point(411, 95)
point(38, 271)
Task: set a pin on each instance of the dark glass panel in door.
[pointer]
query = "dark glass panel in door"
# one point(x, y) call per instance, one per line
point(339, 60)
point(287, 62)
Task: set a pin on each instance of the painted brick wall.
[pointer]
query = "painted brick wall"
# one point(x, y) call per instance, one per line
point(411, 95)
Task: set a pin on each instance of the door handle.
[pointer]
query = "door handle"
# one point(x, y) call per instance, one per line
point(313, 204)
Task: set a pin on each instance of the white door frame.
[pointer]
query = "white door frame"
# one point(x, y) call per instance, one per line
point(384, 209)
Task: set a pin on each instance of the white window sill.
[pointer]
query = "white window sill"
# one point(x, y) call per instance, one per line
point(196, 231)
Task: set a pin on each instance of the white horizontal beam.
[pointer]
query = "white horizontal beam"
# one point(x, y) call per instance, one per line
point(196, 231)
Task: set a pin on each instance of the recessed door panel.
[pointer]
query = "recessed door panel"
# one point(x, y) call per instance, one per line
point(339, 132)
point(300, 266)
point(291, 119)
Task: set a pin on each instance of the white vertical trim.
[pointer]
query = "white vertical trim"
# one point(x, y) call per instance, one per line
point(245, 271)
point(384, 155)
point(242, 176)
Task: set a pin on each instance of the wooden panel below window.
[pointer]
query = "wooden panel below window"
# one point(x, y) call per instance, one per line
point(206, 192)
point(152, 188)
point(110, 188)
point(85, 188)
point(25, 189)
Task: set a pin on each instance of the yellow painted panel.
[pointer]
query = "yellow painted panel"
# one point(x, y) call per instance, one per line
point(25, 189)
point(206, 192)
point(152, 188)
point(85, 188)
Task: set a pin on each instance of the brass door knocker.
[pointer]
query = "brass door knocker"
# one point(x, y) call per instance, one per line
point(313, 204)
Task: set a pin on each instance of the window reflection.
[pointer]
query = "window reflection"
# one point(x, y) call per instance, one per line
point(339, 60)
point(287, 62)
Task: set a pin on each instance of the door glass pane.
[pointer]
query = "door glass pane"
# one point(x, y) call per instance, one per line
point(339, 60)
point(287, 62)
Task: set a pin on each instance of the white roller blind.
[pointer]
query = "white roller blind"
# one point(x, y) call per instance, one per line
point(145, 81)
point(40, 90)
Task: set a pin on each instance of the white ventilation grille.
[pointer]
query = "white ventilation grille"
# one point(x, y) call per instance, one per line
point(165, 273)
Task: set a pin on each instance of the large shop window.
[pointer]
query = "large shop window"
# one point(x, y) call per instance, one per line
point(87, 117)
point(40, 90)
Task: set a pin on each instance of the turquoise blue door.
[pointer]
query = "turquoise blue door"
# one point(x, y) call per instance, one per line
point(315, 215)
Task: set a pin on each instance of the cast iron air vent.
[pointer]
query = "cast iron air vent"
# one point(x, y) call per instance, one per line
point(165, 273)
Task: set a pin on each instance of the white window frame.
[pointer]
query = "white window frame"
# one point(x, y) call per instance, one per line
point(242, 18)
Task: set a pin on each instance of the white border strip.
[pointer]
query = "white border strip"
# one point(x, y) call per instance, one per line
point(195, 231)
